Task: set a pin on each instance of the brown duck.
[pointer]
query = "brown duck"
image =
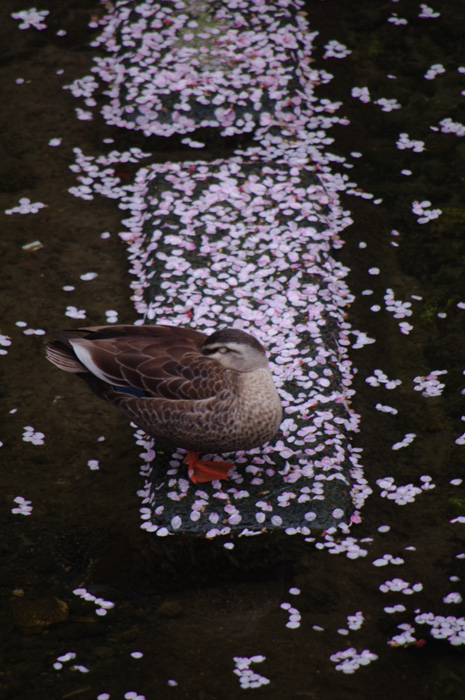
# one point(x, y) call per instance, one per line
point(203, 393)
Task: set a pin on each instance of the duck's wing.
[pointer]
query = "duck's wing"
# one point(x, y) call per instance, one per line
point(154, 361)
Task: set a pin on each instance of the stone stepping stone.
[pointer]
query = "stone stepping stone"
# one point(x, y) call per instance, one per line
point(174, 67)
point(249, 245)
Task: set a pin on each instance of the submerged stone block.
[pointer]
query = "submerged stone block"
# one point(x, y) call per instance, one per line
point(173, 67)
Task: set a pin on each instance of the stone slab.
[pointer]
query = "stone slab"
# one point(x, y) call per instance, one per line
point(249, 245)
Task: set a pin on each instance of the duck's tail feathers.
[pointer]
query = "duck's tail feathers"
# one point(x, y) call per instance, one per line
point(63, 357)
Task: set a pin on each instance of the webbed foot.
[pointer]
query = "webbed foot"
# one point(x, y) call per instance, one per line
point(202, 471)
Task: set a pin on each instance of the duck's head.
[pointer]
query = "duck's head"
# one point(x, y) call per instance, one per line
point(235, 349)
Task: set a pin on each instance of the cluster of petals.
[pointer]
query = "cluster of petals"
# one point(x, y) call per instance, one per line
point(386, 409)
point(349, 660)
point(396, 20)
point(32, 435)
point(453, 597)
point(74, 312)
point(404, 638)
point(405, 442)
point(379, 378)
point(102, 605)
point(427, 12)
point(23, 506)
point(388, 104)
point(448, 126)
point(31, 18)
point(25, 206)
point(355, 621)
point(447, 627)
point(424, 212)
point(83, 87)
point(97, 175)
point(111, 316)
point(247, 677)
point(388, 559)
point(334, 49)
point(362, 93)
point(29, 331)
point(362, 339)
point(399, 309)
point(294, 616)
point(430, 384)
point(391, 609)
point(34, 331)
point(404, 141)
point(349, 546)
point(398, 585)
point(5, 342)
point(402, 494)
point(434, 70)
point(84, 114)
point(64, 659)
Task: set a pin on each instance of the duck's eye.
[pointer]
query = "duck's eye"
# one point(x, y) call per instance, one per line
point(219, 350)
point(222, 350)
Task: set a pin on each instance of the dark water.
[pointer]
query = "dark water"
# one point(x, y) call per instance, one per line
point(191, 607)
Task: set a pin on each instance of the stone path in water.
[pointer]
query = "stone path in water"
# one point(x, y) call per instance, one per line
point(245, 241)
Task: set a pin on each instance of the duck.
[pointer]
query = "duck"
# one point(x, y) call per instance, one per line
point(205, 393)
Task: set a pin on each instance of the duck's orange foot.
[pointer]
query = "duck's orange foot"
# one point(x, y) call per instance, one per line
point(200, 471)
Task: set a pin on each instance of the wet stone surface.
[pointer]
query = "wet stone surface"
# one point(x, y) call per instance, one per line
point(237, 240)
